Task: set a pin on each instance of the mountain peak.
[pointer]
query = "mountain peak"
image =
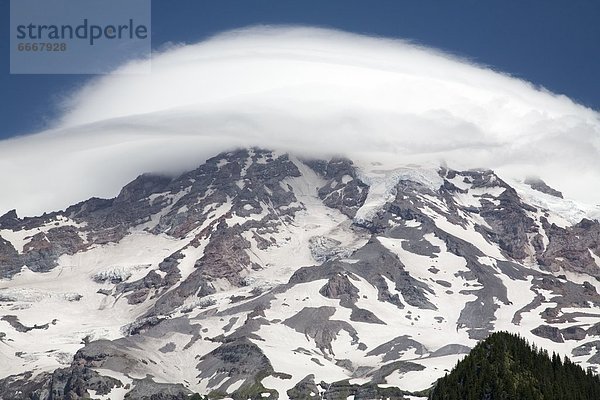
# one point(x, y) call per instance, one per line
point(365, 275)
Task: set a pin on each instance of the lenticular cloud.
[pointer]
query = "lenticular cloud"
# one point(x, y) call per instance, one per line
point(313, 91)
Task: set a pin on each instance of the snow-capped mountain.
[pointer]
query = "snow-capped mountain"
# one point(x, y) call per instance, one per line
point(265, 275)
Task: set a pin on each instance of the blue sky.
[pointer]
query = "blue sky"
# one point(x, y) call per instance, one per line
point(553, 44)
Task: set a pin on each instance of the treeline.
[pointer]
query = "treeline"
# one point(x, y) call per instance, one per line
point(506, 367)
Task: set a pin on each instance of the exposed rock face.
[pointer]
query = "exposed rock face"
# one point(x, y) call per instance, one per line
point(573, 333)
point(147, 389)
point(41, 253)
point(586, 349)
point(316, 324)
point(43, 250)
point(343, 190)
point(233, 361)
point(323, 248)
point(258, 275)
point(548, 332)
point(541, 186)
point(13, 320)
point(225, 256)
point(393, 349)
point(247, 178)
point(304, 389)
point(9, 259)
point(343, 390)
point(70, 383)
point(507, 216)
point(510, 225)
point(572, 248)
point(25, 386)
point(10, 220)
point(340, 287)
point(567, 294)
point(74, 382)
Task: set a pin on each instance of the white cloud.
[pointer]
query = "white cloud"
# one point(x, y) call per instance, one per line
point(306, 89)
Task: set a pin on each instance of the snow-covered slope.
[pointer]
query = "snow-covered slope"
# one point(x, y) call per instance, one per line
point(263, 275)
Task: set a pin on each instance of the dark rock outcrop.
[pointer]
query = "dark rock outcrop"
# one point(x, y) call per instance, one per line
point(541, 186)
